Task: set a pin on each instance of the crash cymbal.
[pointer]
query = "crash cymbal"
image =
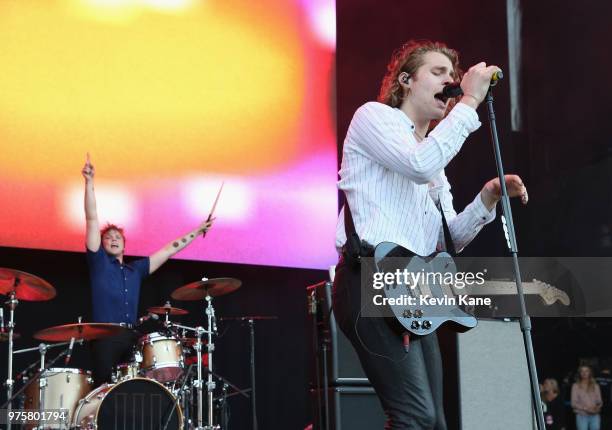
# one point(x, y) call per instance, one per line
point(4, 336)
point(163, 310)
point(26, 286)
point(211, 287)
point(86, 331)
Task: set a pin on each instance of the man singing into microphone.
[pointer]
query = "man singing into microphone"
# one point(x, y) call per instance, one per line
point(393, 177)
point(116, 284)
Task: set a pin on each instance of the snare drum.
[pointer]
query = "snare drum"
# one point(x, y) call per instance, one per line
point(125, 371)
point(136, 403)
point(162, 357)
point(64, 389)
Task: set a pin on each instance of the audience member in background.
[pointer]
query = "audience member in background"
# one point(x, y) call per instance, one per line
point(586, 400)
point(554, 415)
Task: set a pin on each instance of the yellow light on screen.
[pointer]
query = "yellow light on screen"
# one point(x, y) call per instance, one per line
point(213, 88)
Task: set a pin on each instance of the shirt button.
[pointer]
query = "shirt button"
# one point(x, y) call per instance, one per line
point(126, 291)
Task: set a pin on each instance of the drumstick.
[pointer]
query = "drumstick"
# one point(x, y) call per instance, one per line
point(212, 211)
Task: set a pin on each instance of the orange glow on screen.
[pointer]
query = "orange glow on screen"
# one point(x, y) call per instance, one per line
point(177, 87)
point(170, 97)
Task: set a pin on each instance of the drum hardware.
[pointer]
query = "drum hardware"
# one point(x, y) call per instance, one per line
point(179, 395)
point(40, 374)
point(198, 383)
point(19, 285)
point(205, 289)
point(167, 310)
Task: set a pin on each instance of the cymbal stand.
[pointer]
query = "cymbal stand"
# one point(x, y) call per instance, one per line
point(198, 383)
point(12, 303)
point(210, 347)
point(42, 381)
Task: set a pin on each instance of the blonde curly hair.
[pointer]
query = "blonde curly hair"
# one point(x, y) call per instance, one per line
point(408, 59)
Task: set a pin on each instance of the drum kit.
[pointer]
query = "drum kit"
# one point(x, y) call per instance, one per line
point(159, 388)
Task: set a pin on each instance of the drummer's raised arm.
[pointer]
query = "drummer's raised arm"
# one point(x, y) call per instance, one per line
point(161, 256)
point(91, 212)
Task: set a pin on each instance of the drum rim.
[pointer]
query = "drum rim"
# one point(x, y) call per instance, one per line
point(130, 364)
point(85, 399)
point(73, 370)
point(156, 335)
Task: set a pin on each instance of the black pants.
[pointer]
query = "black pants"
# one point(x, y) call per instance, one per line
point(408, 384)
point(108, 352)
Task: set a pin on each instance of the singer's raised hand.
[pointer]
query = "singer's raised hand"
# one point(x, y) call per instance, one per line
point(476, 82)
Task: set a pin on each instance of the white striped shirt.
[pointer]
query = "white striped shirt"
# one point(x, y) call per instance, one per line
point(393, 183)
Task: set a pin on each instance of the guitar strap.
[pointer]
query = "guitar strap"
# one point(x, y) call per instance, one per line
point(352, 247)
point(448, 240)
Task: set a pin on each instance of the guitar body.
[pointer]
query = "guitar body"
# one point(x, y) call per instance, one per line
point(433, 302)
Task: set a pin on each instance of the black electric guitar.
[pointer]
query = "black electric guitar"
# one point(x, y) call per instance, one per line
point(426, 301)
point(425, 304)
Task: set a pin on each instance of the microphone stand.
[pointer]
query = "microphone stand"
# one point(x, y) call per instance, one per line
point(508, 225)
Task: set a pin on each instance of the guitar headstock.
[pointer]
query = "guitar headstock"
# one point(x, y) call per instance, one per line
point(550, 295)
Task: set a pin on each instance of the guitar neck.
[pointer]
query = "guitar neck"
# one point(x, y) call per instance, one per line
point(498, 288)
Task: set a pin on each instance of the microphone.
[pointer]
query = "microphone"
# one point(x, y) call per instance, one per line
point(70, 348)
point(453, 90)
point(497, 76)
point(147, 317)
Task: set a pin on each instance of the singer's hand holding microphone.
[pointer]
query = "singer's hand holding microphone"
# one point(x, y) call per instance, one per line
point(476, 82)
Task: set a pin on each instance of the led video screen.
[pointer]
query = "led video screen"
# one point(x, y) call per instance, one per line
point(171, 98)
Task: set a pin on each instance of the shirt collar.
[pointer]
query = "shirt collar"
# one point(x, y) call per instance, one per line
point(405, 118)
point(114, 260)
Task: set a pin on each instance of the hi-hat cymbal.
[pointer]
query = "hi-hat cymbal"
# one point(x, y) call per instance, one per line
point(211, 287)
point(167, 309)
point(27, 287)
point(85, 331)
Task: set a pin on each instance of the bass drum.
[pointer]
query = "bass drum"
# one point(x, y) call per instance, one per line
point(136, 403)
